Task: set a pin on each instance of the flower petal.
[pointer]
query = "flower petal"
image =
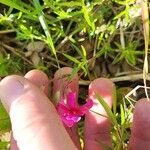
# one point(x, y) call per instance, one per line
point(84, 108)
point(71, 100)
point(76, 118)
point(62, 101)
point(68, 123)
point(71, 113)
point(61, 109)
point(73, 118)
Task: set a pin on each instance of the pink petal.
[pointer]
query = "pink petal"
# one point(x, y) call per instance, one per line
point(84, 108)
point(71, 113)
point(62, 101)
point(73, 118)
point(76, 118)
point(68, 123)
point(61, 109)
point(71, 100)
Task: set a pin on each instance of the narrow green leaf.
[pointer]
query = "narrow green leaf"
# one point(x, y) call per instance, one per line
point(84, 51)
point(104, 145)
point(74, 71)
point(72, 58)
point(45, 27)
point(120, 15)
point(14, 5)
point(5, 124)
point(145, 18)
point(3, 145)
point(87, 17)
point(78, 50)
point(68, 4)
point(122, 114)
point(114, 100)
point(107, 109)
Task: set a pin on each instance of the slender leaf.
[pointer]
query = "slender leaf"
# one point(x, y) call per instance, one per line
point(14, 5)
point(5, 124)
point(145, 18)
point(72, 58)
point(107, 109)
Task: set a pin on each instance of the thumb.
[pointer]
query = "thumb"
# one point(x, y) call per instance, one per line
point(35, 122)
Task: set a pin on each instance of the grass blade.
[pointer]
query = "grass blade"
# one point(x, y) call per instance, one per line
point(72, 58)
point(14, 5)
point(107, 109)
point(145, 18)
point(45, 28)
point(114, 100)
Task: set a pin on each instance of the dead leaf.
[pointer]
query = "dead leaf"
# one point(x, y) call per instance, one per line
point(36, 46)
point(28, 53)
point(35, 58)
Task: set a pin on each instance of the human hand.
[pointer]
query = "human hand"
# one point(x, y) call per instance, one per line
point(36, 125)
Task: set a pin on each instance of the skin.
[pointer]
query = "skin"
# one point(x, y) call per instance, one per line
point(36, 125)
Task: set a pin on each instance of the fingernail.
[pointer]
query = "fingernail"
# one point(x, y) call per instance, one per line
point(10, 89)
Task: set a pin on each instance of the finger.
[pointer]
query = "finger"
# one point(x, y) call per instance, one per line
point(13, 143)
point(40, 79)
point(35, 123)
point(140, 132)
point(97, 128)
point(62, 85)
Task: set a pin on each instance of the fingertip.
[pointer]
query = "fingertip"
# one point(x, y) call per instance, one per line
point(141, 120)
point(62, 75)
point(141, 115)
point(103, 87)
point(63, 72)
point(140, 104)
point(10, 88)
point(39, 78)
point(140, 133)
point(61, 83)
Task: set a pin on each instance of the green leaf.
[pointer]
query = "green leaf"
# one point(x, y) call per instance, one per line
point(114, 100)
point(107, 109)
point(74, 71)
point(87, 17)
point(14, 5)
point(45, 27)
point(5, 124)
point(3, 145)
point(72, 58)
point(120, 15)
point(68, 4)
point(84, 51)
point(78, 50)
point(122, 114)
point(130, 57)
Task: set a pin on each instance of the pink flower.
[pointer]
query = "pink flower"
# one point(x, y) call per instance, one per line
point(69, 111)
